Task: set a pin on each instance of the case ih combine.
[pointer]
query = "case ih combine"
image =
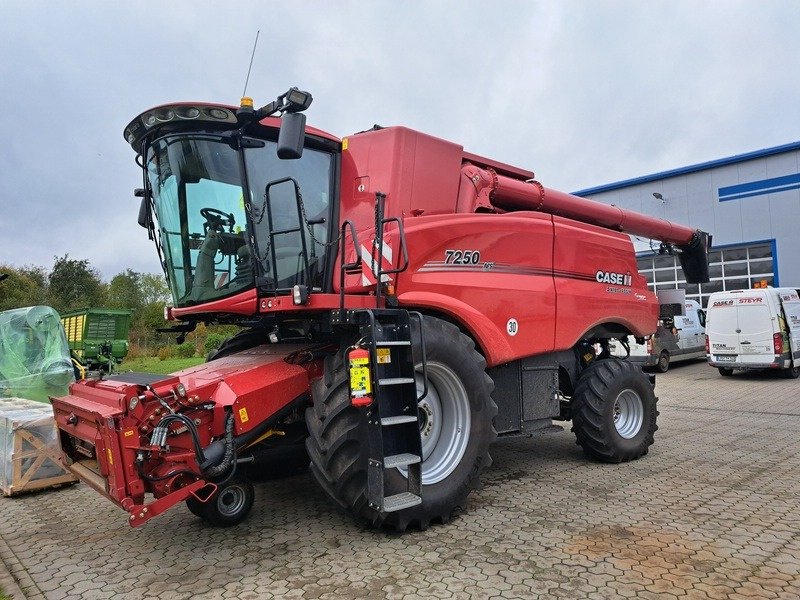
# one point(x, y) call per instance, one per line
point(402, 302)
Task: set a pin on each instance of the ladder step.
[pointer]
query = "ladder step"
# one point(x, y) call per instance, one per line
point(400, 501)
point(396, 381)
point(393, 343)
point(398, 420)
point(401, 460)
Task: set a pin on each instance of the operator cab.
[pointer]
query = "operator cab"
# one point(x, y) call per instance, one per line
point(231, 214)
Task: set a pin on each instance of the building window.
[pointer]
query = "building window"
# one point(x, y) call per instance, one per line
point(730, 268)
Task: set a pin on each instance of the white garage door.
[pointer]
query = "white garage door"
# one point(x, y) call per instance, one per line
point(730, 268)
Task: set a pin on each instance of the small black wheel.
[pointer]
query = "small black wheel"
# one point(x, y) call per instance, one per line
point(725, 371)
point(663, 362)
point(195, 506)
point(229, 505)
point(614, 411)
point(792, 373)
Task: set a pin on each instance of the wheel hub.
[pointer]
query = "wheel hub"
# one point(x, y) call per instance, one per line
point(444, 422)
point(231, 500)
point(628, 413)
point(426, 419)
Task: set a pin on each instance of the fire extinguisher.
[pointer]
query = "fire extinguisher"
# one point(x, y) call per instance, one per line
point(360, 377)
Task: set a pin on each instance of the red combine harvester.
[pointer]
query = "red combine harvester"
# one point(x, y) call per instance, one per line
point(402, 303)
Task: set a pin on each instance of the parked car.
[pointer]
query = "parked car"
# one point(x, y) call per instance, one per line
point(679, 337)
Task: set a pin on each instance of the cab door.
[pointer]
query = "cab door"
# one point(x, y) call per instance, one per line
point(790, 303)
point(722, 327)
point(755, 329)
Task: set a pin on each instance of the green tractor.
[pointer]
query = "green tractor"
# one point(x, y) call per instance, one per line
point(98, 337)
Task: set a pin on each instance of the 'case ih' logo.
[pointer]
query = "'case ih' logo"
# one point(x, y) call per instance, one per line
point(723, 303)
point(614, 278)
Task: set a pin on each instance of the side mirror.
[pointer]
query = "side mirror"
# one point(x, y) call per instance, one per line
point(144, 208)
point(292, 135)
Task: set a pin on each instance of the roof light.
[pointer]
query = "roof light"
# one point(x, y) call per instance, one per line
point(165, 115)
point(187, 112)
point(297, 100)
point(137, 128)
point(218, 113)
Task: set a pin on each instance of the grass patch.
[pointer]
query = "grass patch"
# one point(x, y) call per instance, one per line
point(152, 364)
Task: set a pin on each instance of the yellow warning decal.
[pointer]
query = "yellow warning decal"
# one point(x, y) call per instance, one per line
point(359, 378)
point(344, 143)
point(110, 459)
point(243, 415)
point(129, 433)
point(384, 356)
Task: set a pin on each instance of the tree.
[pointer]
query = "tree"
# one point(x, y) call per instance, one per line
point(125, 291)
point(74, 284)
point(39, 276)
point(154, 289)
point(152, 294)
point(19, 289)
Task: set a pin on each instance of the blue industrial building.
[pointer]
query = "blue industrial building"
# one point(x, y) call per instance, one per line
point(750, 203)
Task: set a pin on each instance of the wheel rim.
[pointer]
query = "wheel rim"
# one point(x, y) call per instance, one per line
point(231, 500)
point(628, 413)
point(444, 417)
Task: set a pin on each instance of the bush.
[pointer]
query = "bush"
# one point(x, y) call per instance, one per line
point(185, 350)
point(165, 352)
point(213, 341)
point(136, 351)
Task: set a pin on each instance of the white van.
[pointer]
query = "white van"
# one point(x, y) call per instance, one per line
point(677, 338)
point(754, 329)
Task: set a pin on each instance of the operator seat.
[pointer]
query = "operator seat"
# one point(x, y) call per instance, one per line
point(243, 273)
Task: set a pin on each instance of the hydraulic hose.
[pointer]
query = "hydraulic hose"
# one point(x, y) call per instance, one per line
point(214, 468)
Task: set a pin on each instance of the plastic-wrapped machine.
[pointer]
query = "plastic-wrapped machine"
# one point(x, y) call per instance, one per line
point(34, 355)
point(29, 448)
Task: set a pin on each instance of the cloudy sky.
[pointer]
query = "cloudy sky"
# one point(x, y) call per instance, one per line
point(581, 92)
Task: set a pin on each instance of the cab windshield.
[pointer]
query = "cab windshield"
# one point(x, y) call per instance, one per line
point(219, 236)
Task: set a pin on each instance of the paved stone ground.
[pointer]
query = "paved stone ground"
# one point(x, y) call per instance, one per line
point(712, 512)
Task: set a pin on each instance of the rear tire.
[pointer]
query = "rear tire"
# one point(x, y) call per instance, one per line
point(614, 411)
point(792, 373)
point(663, 362)
point(452, 461)
point(725, 372)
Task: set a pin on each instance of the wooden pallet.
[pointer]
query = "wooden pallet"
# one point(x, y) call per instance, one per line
point(29, 449)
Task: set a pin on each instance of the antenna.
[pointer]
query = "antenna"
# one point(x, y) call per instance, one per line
point(244, 92)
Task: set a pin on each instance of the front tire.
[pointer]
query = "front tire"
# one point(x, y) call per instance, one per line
point(663, 362)
point(614, 411)
point(456, 419)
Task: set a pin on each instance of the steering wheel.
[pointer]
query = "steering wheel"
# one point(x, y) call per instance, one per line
point(216, 219)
